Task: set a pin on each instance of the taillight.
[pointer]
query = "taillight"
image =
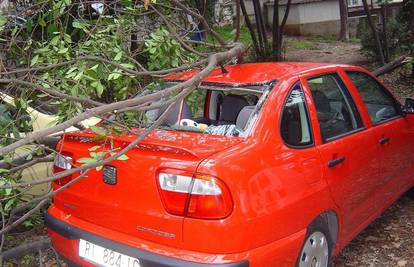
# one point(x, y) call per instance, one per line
point(196, 196)
point(63, 161)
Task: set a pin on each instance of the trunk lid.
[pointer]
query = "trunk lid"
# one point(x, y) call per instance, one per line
point(133, 205)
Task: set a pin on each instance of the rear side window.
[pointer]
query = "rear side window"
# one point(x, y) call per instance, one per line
point(379, 102)
point(295, 126)
point(336, 110)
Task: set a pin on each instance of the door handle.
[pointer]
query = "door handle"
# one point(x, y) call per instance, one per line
point(384, 140)
point(334, 162)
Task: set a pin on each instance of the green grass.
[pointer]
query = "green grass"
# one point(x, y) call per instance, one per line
point(326, 38)
point(228, 33)
point(298, 44)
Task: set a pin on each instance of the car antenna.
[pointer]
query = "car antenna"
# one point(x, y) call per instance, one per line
point(223, 69)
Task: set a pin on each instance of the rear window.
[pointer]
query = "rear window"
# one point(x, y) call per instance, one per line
point(210, 109)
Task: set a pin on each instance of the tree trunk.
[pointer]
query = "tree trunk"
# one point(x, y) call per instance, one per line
point(384, 31)
point(237, 21)
point(276, 53)
point(282, 26)
point(343, 11)
point(261, 30)
point(257, 16)
point(250, 27)
point(374, 32)
point(410, 3)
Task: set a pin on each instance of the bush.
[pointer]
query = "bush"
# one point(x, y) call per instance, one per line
point(394, 34)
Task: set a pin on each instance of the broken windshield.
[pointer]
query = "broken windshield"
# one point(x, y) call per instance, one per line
point(219, 109)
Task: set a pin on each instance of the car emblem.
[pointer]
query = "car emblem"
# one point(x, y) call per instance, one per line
point(109, 174)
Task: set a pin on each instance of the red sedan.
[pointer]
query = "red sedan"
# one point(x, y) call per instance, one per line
point(270, 164)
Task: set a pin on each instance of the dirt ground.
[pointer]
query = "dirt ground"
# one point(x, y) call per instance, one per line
point(389, 241)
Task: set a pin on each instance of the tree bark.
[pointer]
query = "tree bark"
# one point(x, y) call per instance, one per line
point(343, 11)
point(387, 68)
point(20, 251)
point(237, 22)
point(410, 5)
point(259, 28)
point(374, 32)
point(282, 25)
point(250, 28)
point(276, 53)
point(384, 31)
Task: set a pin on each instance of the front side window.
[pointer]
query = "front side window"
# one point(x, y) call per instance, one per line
point(295, 126)
point(380, 104)
point(336, 110)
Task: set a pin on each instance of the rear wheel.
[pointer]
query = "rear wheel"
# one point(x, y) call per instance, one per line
point(317, 248)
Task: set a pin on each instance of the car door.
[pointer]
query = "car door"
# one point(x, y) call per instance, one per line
point(393, 133)
point(348, 149)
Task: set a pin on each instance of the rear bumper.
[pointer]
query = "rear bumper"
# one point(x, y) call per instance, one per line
point(60, 231)
point(66, 230)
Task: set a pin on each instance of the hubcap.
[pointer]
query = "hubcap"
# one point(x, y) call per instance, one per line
point(315, 252)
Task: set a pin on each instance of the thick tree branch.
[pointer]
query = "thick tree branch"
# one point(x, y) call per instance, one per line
point(184, 87)
point(26, 248)
point(392, 65)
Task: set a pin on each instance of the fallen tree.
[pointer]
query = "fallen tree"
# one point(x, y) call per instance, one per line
point(387, 68)
point(33, 79)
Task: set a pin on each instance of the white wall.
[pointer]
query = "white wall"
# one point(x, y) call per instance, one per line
point(319, 11)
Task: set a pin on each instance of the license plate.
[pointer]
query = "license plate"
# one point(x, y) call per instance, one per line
point(104, 256)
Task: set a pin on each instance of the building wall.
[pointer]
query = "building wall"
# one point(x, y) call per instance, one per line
point(313, 18)
point(315, 12)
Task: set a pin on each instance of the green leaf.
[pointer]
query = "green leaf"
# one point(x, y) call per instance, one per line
point(9, 204)
point(123, 157)
point(94, 148)
point(113, 76)
point(29, 157)
point(63, 50)
point(99, 89)
point(71, 70)
point(86, 160)
point(94, 67)
point(118, 56)
point(98, 130)
point(34, 60)
point(3, 21)
point(4, 170)
point(41, 21)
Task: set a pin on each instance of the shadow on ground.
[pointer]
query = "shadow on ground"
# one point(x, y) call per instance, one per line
point(388, 241)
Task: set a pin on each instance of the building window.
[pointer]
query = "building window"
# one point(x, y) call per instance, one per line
point(352, 3)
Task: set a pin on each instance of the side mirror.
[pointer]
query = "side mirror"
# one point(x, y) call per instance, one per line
point(408, 107)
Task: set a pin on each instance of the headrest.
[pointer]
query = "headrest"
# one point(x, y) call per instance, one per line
point(232, 104)
point(244, 116)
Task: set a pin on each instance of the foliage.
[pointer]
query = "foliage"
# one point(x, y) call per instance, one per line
point(63, 30)
point(165, 52)
point(57, 31)
point(399, 36)
point(228, 33)
point(394, 33)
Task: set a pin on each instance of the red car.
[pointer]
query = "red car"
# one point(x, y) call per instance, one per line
point(270, 164)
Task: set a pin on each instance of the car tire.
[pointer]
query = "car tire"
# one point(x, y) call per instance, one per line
point(319, 253)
